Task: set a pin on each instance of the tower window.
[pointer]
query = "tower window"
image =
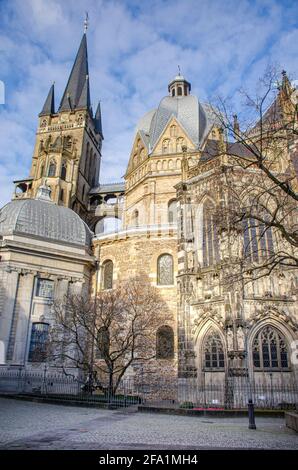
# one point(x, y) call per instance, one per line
point(165, 270)
point(179, 91)
point(173, 92)
point(52, 169)
point(63, 171)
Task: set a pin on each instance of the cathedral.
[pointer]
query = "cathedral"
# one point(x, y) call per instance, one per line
point(63, 225)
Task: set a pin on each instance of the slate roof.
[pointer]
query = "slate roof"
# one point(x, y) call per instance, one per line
point(49, 105)
point(77, 92)
point(44, 220)
point(108, 188)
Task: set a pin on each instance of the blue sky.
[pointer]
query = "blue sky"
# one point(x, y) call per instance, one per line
point(134, 48)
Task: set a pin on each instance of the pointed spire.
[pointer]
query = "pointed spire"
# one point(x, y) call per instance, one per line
point(77, 80)
point(84, 101)
point(49, 104)
point(97, 120)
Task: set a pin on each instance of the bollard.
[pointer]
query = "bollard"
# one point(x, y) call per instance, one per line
point(251, 415)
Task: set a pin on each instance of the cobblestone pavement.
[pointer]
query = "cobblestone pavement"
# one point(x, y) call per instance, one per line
point(28, 425)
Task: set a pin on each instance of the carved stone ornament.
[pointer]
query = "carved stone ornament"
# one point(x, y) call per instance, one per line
point(267, 311)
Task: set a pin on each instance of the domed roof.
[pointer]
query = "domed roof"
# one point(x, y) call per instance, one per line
point(44, 219)
point(194, 117)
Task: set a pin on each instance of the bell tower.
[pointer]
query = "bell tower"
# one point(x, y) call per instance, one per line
point(67, 151)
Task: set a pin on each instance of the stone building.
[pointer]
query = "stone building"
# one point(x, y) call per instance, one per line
point(155, 222)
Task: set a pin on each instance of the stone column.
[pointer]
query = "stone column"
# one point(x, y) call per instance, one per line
point(10, 280)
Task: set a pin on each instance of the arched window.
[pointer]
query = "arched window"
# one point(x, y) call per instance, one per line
point(107, 274)
point(257, 240)
point(213, 351)
point(52, 169)
point(210, 236)
point(179, 91)
point(108, 225)
point(173, 92)
point(172, 212)
point(165, 343)
point(165, 145)
point(63, 171)
point(269, 349)
point(103, 343)
point(38, 342)
point(165, 270)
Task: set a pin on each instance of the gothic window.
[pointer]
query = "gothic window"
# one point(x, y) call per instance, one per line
point(52, 169)
point(165, 270)
point(86, 161)
point(210, 236)
point(257, 240)
point(38, 342)
point(270, 350)
point(63, 171)
point(165, 145)
point(165, 343)
point(179, 143)
point(45, 288)
point(103, 343)
point(44, 123)
point(61, 194)
point(172, 212)
point(107, 275)
point(213, 351)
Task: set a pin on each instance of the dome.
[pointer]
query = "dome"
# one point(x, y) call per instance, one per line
point(42, 218)
point(195, 118)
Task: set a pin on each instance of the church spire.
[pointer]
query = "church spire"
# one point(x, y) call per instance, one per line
point(49, 104)
point(77, 82)
point(97, 120)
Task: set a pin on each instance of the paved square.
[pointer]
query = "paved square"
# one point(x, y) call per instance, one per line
point(27, 425)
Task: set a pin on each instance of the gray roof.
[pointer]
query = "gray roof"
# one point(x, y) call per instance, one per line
point(49, 105)
point(108, 188)
point(45, 220)
point(77, 93)
point(195, 118)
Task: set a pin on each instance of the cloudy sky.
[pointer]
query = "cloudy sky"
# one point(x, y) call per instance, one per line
point(134, 48)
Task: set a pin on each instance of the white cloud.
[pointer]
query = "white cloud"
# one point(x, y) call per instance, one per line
point(134, 48)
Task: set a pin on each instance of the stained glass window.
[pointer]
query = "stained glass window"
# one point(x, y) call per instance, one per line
point(270, 350)
point(213, 351)
point(38, 342)
point(108, 274)
point(257, 239)
point(165, 343)
point(165, 274)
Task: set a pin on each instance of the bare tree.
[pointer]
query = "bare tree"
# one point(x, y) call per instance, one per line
point(259, 152)
point(118, 326)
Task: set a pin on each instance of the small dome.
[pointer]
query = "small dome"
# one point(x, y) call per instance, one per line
point(195, 118)
point(43, 219)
